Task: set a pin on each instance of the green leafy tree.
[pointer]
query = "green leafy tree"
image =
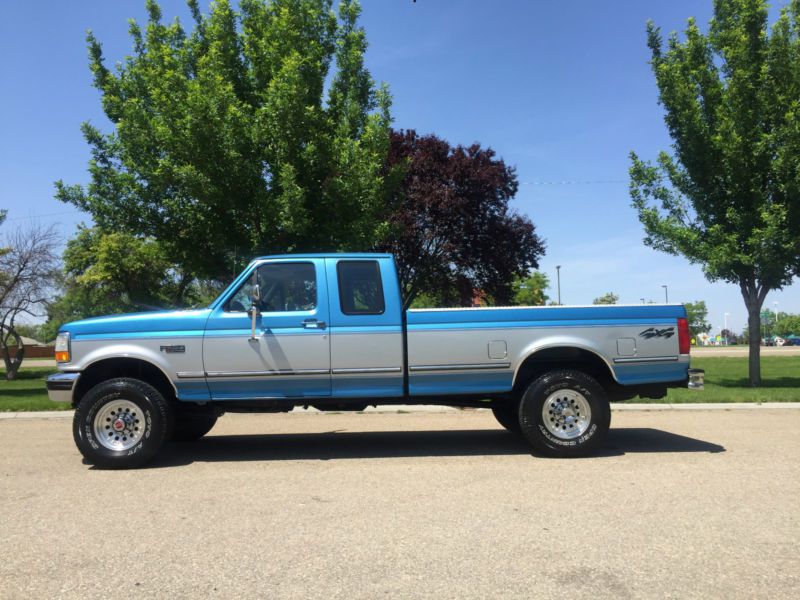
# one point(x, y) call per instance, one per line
point(786, 324)
point(609, 298)
point(531, 290)
point(256, 132)
point(697, 315)
point(109, 273)
point(728, 197)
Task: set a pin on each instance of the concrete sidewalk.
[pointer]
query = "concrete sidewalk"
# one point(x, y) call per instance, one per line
point(430, 408)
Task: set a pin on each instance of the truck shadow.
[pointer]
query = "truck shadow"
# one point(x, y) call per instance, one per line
point(335, 445)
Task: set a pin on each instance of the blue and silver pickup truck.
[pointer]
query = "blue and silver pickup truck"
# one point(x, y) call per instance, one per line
point(329, 331)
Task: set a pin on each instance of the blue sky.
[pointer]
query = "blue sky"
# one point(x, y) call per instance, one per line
point(561, 90)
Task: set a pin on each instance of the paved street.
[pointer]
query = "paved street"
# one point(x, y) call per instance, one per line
point(682, 504)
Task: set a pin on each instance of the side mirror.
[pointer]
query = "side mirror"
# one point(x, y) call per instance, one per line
point(255, 296)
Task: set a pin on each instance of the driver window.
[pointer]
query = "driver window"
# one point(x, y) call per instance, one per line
point(284, 287)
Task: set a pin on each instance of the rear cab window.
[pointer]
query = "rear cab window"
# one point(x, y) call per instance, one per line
point(360, 287)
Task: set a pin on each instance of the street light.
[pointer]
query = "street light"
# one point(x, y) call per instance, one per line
point(642, 299)
point(558, 277)
point(666, 294)
point(775, 304)
point(726, 328)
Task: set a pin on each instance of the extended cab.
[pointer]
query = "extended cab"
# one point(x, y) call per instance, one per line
point(329, 331)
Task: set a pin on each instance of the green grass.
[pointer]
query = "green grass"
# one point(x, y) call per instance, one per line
point(28, 391)
point(726, 381)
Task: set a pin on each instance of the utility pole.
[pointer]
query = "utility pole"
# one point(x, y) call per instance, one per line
point(558, 278)
point(726, 328)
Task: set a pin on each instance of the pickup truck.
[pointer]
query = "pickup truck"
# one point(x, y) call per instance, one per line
point(329, 331)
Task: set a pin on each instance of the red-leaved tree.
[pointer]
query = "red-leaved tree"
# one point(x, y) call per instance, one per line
point(453, 232)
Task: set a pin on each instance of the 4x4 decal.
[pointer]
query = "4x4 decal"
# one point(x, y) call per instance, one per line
point(652, 332)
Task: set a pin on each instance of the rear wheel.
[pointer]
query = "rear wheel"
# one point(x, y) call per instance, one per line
point(508, 416)
point(565, 414)
point(121, 423)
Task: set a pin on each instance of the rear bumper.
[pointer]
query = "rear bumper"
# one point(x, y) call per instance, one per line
point(697, 379)
point(60, 386)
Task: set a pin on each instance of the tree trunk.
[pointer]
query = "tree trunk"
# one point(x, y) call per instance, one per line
point(754, 325)
point(753, 299)
point(12, 363)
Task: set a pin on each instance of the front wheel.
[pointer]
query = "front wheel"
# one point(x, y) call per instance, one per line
point(565, 414)
point(121, 423)
point(193, 422)
point(507, 415)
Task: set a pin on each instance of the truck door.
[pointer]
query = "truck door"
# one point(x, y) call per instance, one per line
point(289, 356)
point(366, 327)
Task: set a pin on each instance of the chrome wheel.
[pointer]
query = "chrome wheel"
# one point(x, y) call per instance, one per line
point(119, 425)
point(566, 414)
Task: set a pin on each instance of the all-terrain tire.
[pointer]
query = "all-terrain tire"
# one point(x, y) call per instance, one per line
point(121, 423)
point(507, 415)
point(193, 422)
point(565, 414)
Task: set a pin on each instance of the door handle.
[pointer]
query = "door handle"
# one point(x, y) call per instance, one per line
point(313, 324)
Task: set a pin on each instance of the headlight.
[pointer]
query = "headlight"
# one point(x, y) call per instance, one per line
point(62, 347)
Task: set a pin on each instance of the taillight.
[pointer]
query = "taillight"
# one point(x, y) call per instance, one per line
point(683, 336)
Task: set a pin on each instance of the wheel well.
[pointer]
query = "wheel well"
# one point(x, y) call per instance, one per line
point(563, 357)
point(110, 368)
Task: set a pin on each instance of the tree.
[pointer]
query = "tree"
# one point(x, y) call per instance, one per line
point(786, 324)
point(238, 137)
point(451, 228)
point(728, 198)
point(696, 315)
point(108, 273)
point(530, 290)
point(27, 267)
point(609, 298)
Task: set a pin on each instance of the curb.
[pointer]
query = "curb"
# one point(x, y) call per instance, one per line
point(425, 408)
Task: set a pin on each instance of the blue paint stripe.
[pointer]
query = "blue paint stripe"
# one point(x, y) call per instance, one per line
point(461, 383)
point(151, 335)
point(272, 387)
point(651, 373)
point(557, 314)
point(535, 324)
point(368, 387)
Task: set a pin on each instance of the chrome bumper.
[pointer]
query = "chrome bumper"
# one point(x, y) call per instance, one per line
point(61, 385)
point(697, 379)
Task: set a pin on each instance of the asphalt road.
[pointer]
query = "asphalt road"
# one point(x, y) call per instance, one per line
point(681, 504)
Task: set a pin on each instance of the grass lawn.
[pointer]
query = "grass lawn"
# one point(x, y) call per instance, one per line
point(28, 391)
point(726, 381)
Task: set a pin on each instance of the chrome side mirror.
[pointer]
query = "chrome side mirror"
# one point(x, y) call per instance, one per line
point(255, 296)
